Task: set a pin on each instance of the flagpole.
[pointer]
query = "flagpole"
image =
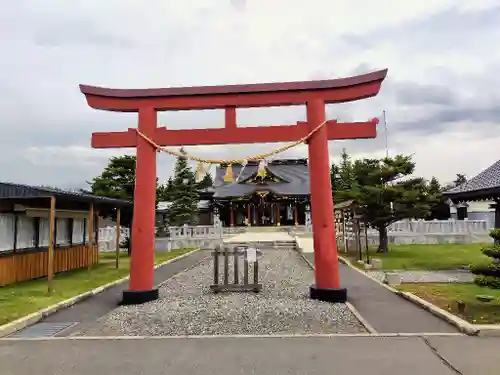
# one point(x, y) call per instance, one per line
point(386, 135)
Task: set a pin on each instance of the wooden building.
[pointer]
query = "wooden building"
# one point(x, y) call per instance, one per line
point(275, 194)
point(45, 231)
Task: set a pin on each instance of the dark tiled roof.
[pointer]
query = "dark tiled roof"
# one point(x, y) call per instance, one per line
point(485, 185)
point(10, 190)
point(294, 173)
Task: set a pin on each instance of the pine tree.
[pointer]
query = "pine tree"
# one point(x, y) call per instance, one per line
point(164, 191)
point(206, 182)
point(346, 174)
point(488, 273)
point(184, 195)
point(376, 183)
point(343, 178)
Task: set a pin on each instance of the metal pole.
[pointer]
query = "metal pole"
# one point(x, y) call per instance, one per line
point(386, 135)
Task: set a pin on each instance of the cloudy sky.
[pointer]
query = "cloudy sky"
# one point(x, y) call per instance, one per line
point(442, 94)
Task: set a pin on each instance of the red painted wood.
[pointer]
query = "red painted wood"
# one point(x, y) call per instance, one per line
point(266, 99)
point(143, 229)
point(315, 94)
point(325, 247)
point(230, 118)
point(253, 88)
point(285, 133)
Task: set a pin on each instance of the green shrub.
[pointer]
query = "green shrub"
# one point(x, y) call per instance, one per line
point(492, 252)
point(489, 281)
point(491, 269)
point(495, 234)
point(489, 274)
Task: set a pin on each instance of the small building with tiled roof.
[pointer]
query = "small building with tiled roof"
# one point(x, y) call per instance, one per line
point(483, 187)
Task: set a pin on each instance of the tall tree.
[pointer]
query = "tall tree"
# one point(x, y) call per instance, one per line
point(207, 181)
point(117, 181)
point(441, 209)
point(342, 176)
point(164, 191)
point(386, 193)
point(185, 197)
point(459, 180)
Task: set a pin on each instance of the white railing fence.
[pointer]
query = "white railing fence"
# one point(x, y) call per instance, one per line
point(439, 226)
point(201, 231)
point(433, 227)
point(425, 232)
point(107, 237)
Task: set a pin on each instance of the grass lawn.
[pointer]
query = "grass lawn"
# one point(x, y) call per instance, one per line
point(17, 300)
point(428, 257)
point(446, 296)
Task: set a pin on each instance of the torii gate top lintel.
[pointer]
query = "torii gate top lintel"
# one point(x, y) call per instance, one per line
point(243, 96)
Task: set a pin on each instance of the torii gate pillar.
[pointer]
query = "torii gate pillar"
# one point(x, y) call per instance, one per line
point(323, 224)
point(313, 94)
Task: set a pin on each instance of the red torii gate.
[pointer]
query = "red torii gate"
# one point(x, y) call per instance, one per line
point(314, 94)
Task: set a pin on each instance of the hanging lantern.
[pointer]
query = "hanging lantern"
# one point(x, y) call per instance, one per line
point(228, 177)
point(200, 172)
point(261, 171)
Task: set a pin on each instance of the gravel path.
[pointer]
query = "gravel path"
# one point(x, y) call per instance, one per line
point(452, 276)
point(188, 307)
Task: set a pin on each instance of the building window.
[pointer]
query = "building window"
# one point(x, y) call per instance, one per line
point(43, 237)
point(78, 231)
point(62, 232)
point(25, 230)
point(7, 222)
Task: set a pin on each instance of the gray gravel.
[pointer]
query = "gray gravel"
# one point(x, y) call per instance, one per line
point(438, 276)
point(188, 307)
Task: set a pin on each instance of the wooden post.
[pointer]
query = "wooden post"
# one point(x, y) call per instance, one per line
point(295, 214)
point(96, 234)
point(278, 215)
point(90, 229)
point(117, 253)
point(249, 215)
point(226, 265)
point(50, 255)
point(231, 214)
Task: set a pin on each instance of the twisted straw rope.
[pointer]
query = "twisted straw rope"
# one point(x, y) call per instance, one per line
point(230, 161)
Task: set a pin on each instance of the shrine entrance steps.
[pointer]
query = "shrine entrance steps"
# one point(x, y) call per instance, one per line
point(264, 240)
point(270, 229)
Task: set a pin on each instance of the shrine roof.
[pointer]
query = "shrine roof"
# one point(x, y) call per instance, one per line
point(236, 89)
point(294, 174)
point(486, 185)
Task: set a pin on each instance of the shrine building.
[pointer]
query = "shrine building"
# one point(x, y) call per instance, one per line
point(274, 194)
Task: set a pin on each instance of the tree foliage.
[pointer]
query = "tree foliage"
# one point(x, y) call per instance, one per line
point(117, 181)
point(183, 194)
point(441, 209)
point(164, 191)
point(207, 181)
point(459, 180)
point(384, 191)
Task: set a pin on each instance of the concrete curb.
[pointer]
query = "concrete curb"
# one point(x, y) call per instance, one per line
point(25, 321)
point(462, 325)
point(355, 312)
